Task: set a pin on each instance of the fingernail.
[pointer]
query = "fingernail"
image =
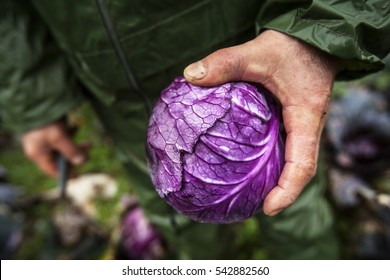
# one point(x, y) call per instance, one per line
point(196, 70)
point(77, 160)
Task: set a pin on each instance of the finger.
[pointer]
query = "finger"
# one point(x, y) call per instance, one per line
point(222, 66)
point(48, 164)
point(303, 127)
point(43, 158)
point(65, 145)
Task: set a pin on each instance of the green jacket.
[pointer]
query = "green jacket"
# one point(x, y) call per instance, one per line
point(47, 47)
point(55, 53)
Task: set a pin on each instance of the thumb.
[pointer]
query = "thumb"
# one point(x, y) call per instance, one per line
point(222, 66)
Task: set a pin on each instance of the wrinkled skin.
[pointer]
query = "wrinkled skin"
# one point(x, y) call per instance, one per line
point(300, 76)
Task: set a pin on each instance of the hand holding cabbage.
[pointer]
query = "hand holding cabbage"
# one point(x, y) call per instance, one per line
point(301, 78)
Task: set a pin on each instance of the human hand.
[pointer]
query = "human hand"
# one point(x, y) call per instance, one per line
point(301, 78)
point(40, 144)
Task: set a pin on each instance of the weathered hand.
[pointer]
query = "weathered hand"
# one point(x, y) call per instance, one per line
point(301, 77)
point(40, 144)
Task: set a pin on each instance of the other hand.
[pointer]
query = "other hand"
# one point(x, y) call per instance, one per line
point(41, 144)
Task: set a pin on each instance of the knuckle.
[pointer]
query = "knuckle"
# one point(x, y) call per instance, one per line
point(307, 169)
point(230, 62)
point(56, 136)
point(31, 151)
point(290, 199)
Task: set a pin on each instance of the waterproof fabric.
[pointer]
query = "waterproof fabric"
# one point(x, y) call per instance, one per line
point(37, 84)
point(49, 48)
point(354, 31)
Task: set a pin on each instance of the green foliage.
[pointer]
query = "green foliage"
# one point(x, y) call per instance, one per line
point(23, 172)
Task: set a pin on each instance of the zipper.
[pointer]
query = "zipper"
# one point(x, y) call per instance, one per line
point(121, 55)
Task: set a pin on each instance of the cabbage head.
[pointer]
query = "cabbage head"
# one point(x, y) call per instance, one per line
point(214, 153)
point(139, 239)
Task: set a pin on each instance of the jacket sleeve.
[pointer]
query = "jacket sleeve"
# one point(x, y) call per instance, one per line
point(36, 84)
point(357, 32)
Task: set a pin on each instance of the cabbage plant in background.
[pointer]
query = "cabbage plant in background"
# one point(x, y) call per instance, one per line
point(139, 238)
point(358, 134)
point(358, 128)
point(215, 152)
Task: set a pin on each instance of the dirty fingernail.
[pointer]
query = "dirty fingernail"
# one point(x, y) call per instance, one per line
point(196, 70)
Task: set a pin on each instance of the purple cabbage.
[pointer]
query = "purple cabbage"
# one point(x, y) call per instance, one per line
point(358, 130)
point(214, 153)
point(140, 240)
